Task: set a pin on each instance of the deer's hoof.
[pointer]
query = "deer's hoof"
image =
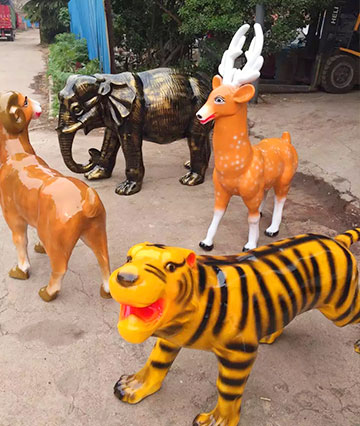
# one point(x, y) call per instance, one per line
point(205, 246)
point(104, 294)
point(271, 234)
point(46, 297)
point(18, 274)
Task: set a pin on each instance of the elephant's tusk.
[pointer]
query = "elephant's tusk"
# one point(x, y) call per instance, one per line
point(73, 128)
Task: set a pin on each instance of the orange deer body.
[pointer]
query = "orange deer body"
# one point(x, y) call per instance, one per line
point(62, 209)
point(240, 168)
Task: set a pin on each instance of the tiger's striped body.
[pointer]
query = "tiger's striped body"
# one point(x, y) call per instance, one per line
point(228, 305)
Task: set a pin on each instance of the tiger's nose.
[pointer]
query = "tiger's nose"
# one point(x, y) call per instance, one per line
point(199, 116)
point(126, 279)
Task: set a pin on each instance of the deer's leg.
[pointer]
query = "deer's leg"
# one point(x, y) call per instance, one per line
point(19, 235)
point(234, 370)
point(279, 201)
point(222, 199)
point(131, 143)
point(263, 202)
point(59, 245)
point(95, 238)
point(135, 387)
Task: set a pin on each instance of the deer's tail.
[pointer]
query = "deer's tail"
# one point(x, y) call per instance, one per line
point(349, 237)
point(286, 137)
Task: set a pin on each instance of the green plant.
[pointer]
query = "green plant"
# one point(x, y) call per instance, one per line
point(47, 13)
point(68, 55)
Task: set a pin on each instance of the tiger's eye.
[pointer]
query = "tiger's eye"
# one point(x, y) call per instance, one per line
point(170, 267)
point(128, 259)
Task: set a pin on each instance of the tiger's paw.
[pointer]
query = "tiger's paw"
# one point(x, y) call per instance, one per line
point(268, 340)
point(191, 179)
point(214, 419)
point(357, 346)
point(132, 390)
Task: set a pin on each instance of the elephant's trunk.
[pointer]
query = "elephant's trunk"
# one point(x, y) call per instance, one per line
point(66, 140)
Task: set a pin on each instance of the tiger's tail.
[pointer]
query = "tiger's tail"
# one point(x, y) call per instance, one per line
point(349, 237)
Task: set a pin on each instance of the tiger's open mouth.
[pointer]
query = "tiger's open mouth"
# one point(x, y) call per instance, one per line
point(146, 314)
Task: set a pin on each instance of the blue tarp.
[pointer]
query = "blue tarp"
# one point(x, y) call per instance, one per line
point(88, 21)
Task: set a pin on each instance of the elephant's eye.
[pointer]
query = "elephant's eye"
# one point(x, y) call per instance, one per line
point(76, 109)
point(170, 267)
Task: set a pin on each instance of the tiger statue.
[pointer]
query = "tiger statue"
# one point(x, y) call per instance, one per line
point(228, 305)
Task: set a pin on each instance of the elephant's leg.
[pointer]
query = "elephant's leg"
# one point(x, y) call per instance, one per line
point(199, 147)
point(105, 160)
point(131, 143)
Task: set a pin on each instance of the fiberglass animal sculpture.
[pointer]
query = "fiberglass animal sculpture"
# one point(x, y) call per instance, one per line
point(242, 169)
point(228, 305)
point(157, 105)
point(62, 209)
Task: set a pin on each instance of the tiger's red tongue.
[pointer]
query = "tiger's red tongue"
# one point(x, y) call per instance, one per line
point(146, 314)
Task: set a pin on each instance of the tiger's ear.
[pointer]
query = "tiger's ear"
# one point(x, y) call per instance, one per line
point(191, 259)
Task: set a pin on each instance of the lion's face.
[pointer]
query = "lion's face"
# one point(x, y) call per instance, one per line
point(150, 287)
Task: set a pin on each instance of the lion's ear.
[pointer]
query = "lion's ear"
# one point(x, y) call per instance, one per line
point(11, 115)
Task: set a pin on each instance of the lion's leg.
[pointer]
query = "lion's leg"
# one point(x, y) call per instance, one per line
point(135, 387)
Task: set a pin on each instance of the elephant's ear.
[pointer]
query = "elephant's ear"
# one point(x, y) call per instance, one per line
point(121, 96)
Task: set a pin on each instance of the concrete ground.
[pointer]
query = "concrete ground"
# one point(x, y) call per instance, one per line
point(59, 361)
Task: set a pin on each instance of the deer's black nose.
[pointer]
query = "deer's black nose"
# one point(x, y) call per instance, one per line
point(126, 280)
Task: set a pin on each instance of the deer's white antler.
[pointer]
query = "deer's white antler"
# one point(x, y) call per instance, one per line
point(251, 70)
point(226, 68)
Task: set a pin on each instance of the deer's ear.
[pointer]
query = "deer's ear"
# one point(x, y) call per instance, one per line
point(244, 93)
point(216, 81)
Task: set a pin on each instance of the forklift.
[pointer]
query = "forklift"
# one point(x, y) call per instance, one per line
point(327, 57)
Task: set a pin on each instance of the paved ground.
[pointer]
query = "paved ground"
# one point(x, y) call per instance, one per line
point(59, 361)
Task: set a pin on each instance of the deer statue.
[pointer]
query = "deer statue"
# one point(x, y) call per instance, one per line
point(240, 168)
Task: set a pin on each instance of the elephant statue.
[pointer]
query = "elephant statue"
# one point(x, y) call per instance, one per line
point(158, 105)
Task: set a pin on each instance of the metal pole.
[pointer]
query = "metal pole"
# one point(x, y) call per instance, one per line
point(259, 18)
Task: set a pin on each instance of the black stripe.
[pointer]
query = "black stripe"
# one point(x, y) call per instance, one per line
point(348, 280)
point(331, 262)
point(160, 246)
point(257, 317)
point(171, 330)
point(284, 310)
point(268, 301)
point(205, 318)
point(305, 267)
point(244, 296)
point(191, 292)
point(348, 234)
point(232, 382)
point(164, 347)
point(296, 274)
point(155, 273)
point(182, 285)
point(288, 244)
point(253, 255)
point(317, 282)
point(356, 318)
point(242, 346)
point(285, 283)
point(229, 396)
point(162, 273)
point(346, 313)
point(357, 230)
point(224, 300)
point(161, 365)
point(202, 278)
point(235, 365)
